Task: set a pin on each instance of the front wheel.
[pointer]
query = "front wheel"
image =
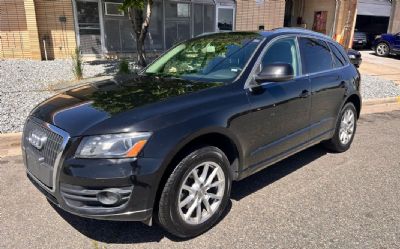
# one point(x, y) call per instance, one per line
point(382, 49)
point(196, 193)
point(345, 129)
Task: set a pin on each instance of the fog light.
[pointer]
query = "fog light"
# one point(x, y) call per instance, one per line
point(109, 197)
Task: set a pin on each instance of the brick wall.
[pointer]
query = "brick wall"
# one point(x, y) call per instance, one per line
point(24, 24)
point(346, 21)
point(250, 14)
point(56, 26)
point(18, 32)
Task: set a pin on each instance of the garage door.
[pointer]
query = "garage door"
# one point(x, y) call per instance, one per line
point(374, 8)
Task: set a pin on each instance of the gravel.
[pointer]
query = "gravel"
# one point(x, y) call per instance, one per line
point(25, 83)
point(373, 87)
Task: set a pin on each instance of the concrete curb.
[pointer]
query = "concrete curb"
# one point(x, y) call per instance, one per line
point(369, 102)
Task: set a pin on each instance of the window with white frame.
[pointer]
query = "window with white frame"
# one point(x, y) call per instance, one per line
point(113, 9)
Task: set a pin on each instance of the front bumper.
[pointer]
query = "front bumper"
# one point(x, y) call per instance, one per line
point(77, 183)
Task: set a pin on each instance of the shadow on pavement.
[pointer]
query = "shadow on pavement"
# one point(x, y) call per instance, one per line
point(120, 232)
point(135, 232)
point(275, 172)
point(390, 56)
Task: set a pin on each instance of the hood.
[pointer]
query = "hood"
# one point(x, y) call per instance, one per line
point(135, 99)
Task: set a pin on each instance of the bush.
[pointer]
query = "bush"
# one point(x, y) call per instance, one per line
point(77, 66)
point(124, 67)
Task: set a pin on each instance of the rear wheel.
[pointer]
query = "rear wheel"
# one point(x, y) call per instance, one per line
point(196, 193)
point(345, 129)
point(382, 49)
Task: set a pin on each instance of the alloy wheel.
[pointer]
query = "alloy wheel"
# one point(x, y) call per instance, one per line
point(201, 193)
point(347, 127)
point(382, 49)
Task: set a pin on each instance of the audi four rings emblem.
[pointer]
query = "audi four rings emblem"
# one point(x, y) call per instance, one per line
point(37, 139)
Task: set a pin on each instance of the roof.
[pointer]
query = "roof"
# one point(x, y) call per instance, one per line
point(293, 31)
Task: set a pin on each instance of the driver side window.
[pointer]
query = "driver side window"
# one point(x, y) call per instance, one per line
point(282, 51)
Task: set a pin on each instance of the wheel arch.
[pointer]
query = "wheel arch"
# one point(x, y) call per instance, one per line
point(356, 100)
point(218, 137)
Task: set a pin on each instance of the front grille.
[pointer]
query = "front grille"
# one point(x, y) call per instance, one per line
point(51, 148)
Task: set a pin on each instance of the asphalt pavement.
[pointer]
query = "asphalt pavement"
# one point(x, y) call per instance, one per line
point(314, 199)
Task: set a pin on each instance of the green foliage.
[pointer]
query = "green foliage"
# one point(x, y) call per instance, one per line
point(77, 64)
point(135, 4)
point(124, 67)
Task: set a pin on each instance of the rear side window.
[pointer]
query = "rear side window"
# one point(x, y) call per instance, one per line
point(337, 56)
point(316, 55)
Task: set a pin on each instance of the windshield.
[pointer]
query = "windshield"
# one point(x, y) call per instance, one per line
point(217, 57)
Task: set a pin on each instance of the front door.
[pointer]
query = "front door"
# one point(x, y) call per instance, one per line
point(88, 26)
point(279, 122)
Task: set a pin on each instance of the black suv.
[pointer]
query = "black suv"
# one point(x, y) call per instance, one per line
point(167, 144)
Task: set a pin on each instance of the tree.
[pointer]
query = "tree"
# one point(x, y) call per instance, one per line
point(139, 12)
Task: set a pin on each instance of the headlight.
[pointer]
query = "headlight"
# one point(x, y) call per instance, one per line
point(113, 145)
point(378, 37)
point(352, 56)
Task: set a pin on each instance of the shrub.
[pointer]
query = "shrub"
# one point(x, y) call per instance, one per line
point(77, 66)
point(124, 67)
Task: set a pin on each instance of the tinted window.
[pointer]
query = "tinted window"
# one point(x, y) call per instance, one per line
point(282, 51)
point(342, 53)
point(316, 55)
point(337, 56)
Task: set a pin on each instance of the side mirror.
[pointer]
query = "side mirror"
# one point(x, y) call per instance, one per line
point(276, 72)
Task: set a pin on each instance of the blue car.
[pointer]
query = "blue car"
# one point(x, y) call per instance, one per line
point(387, 44)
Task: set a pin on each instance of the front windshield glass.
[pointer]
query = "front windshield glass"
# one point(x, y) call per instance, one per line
point(217, 57)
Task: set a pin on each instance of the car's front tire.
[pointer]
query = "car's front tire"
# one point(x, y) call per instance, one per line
point(382, 49)
point(196, 193)
point(345, 129)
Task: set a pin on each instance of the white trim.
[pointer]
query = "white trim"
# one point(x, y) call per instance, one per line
point(102, 36)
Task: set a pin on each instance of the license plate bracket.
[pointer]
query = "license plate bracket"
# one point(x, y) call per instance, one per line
point(38, 169)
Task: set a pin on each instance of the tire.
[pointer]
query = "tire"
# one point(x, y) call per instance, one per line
point(173, 211)
point(338, 143)
point(382, 49)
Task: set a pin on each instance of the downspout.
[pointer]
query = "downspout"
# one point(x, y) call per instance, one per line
point(333, 32)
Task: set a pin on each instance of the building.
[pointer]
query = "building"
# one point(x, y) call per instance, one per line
point(52, 29)
point(373, 17)
point(394, 23)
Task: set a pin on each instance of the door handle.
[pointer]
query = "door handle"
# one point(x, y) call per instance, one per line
point(304, 94)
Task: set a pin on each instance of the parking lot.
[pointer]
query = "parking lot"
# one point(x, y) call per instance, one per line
point(383, 67)
point(314, 199)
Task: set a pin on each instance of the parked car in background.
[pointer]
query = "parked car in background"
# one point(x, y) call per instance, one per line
point(360, 40)
point(355, 57)
point(168, 142)
point(387, 44)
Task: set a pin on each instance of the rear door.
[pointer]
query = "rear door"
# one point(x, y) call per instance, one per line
point(327, 85)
